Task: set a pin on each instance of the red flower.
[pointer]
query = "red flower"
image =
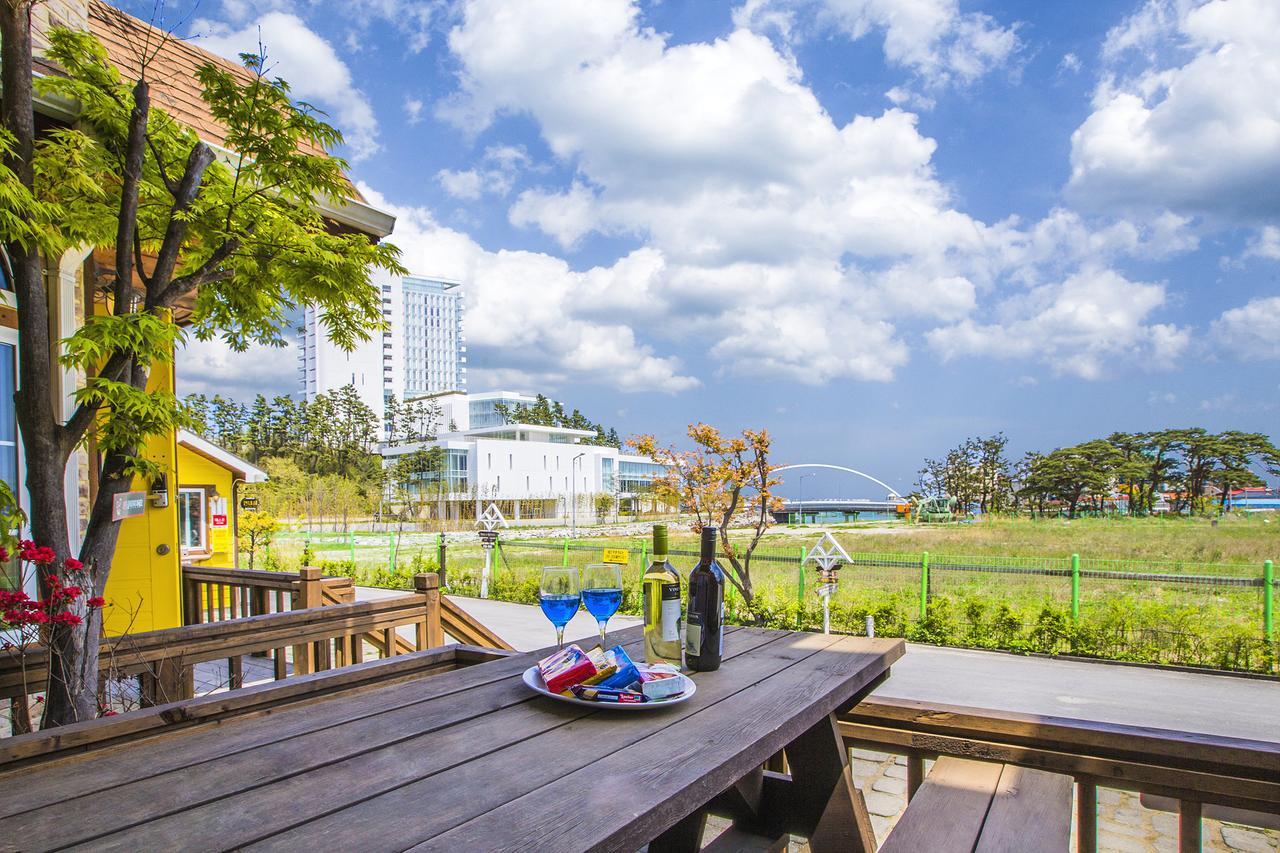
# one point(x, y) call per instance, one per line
point(67, 619)
point(4, 554)
point(109, 713)
point(70, 592)
point(73, 564)
point(97, 601)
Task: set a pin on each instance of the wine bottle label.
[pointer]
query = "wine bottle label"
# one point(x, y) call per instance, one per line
point(693, 638)
point(670, 625)
point(721, 624)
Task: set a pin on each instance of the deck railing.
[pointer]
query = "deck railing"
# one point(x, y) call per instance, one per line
point(1206, 776)
point(311, 638)
point(217, 594)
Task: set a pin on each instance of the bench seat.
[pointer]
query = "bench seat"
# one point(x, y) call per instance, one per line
point(982, 807)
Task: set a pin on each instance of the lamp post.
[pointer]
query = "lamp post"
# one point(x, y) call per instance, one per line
point(802, 476)
point(573, 491)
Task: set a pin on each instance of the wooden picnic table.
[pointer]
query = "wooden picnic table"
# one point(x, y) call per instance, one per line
point(469, 759)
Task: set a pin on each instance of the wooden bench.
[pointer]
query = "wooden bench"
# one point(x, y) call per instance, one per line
point(983, 807)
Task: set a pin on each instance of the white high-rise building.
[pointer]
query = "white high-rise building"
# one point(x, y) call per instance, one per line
point(324, 366)
point(422, 351)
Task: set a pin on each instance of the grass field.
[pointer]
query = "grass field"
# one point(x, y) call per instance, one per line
point(1182, 591)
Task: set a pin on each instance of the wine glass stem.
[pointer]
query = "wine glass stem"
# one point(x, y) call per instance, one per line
point(560, 636)
point(602, 627)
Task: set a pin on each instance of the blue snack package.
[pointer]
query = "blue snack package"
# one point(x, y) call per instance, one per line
point(627, 673)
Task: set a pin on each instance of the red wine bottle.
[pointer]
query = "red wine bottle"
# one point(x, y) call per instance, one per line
point(704, 621)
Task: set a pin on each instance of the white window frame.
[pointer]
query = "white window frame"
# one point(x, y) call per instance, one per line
point(204, 549)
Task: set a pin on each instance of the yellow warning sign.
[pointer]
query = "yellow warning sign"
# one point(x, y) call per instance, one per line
point(617, 555)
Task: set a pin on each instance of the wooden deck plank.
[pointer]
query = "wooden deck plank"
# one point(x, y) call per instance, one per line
point(236, 800)
point(946, 814)
point(608, 803)
point(1030, 813)
point(332, 717)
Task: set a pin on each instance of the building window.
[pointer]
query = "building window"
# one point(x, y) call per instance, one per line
point(10, 575)
point(191, 530)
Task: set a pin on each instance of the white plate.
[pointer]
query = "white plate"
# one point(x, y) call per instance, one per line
point(533, 679)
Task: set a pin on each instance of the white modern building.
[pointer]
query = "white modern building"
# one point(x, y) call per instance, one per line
point(424, 350)
point(421, 352)
point(324, 366)
point(532, 472)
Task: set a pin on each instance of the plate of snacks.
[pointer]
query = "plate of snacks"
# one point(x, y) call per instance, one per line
point(607, 678)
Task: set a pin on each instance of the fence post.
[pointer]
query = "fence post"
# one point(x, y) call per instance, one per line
point(429, 632)
point(442, 551)
point(351, 548)
point(564, 561)
point(1268, 600)
point(800, 578)
point(1075, 587)
point(309, 594)
point(924, 584)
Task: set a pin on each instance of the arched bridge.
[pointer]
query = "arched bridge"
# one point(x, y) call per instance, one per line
point(848, 506)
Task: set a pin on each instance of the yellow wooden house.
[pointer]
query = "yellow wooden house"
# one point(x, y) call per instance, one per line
point(189, 515)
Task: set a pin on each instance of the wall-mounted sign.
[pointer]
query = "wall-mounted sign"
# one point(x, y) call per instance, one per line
point(617, 555)
point(128, 505)
point(249, 503)
point(221, 540)
point(219, 521)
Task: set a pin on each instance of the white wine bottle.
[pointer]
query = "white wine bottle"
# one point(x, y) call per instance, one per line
point(663, 642)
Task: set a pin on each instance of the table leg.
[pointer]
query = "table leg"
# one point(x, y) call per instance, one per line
point(684, 837)
point(824, 792)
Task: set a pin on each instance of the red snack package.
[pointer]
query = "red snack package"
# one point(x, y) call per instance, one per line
point(565, 668)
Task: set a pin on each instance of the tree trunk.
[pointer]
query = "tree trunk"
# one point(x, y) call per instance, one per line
point(43, 445)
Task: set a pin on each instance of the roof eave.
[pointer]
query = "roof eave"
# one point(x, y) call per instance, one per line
point(358, 215)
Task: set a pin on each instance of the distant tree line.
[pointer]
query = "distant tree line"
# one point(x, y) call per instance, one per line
point(1194, 467)
point(546, 412)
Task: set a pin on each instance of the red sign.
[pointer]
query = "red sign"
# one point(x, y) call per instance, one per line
point(219, 521)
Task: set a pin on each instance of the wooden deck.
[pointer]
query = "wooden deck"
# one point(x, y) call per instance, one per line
point(467, 759)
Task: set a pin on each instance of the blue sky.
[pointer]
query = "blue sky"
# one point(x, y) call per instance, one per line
point(873, 226)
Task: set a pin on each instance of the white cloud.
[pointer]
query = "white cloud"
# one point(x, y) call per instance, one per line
point(495, 174)
point(1252, 331)
point(212, 367)
point(1196, 128)
point(1085, 326)
point(566, 216)
point(413, 110)
point(413, 19)
point(720, 161)
point(934, 39)
point(1264, 244)
point(533, 320)
point(1070, 64)
point(312, 67)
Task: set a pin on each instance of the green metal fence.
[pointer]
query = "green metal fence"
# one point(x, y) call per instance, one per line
point(1172, 611)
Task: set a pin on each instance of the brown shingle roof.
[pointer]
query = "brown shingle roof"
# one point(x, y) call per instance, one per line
point(171, 69)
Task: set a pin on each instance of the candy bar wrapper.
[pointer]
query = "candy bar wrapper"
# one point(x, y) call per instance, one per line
point(565, 668)
point(652, 671)
point(627, 673)
point(603, 694)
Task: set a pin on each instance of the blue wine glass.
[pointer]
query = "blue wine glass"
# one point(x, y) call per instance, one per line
point(602, 592)
point(560, 595)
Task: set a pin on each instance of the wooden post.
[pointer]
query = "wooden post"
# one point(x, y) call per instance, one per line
point(915, 773)
point(307, 594)
point(1188, 827)
point(1086, 816)
point(190, 603)
point(430, 634)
